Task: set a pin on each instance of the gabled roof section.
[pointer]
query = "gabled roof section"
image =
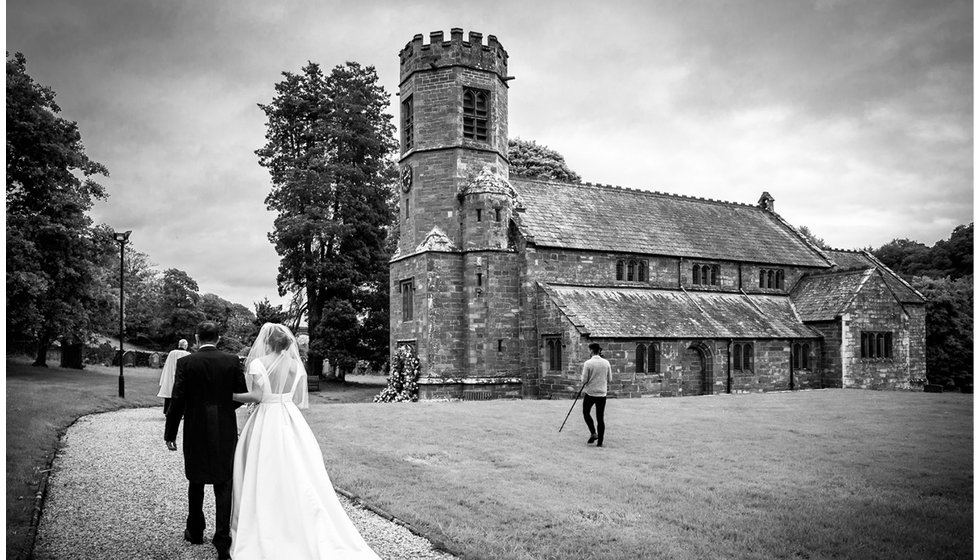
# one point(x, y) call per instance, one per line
point(606, 218)
point(824, 297)
point(903, 291)
point(654, 313)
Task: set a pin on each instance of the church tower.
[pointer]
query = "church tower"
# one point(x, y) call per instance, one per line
point(451, 274)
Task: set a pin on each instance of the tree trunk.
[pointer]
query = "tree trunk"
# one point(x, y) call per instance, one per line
point(43, 343)
point(314, 367)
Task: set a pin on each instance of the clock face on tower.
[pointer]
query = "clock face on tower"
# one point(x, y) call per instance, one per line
point(407, 178)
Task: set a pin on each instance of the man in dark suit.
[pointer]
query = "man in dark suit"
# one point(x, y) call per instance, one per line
point(203, 385)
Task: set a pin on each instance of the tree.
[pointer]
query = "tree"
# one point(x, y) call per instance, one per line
point(954, 257)
point(144, 285)
point(530, 159)
point(949, 329)
point(329, 154)
point(234, 320)
point(906, 257)
point(265, 312)
point(951, 258)
point(52, 251)
point(812, 237)
point(179, 300)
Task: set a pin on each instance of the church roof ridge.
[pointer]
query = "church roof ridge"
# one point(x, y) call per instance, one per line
point(637, 190)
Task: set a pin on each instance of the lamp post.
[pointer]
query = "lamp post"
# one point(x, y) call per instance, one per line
point(122, 238)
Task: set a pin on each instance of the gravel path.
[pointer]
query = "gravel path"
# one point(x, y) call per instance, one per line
point(116, 492)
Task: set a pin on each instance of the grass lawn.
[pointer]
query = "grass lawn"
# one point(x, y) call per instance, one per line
point(814, 474)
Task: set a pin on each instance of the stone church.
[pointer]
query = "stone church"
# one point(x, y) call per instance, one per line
point(501, 282)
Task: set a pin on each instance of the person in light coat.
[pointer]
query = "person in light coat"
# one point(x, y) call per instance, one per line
point(167, 376)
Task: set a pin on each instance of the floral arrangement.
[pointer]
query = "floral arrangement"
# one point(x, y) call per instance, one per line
point(403, 377)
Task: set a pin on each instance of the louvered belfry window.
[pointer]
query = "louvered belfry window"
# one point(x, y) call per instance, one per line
point(476, 114)
point(408, 123)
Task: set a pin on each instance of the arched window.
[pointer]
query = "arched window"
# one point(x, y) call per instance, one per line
point(747, 356)
point(806, 356)
point(779, 280)
point(631, 270)
point(653, 358)
point(714, 275)
point(476, 114)
point(695, 274)
point(770, 279)
point(762, 278)
point(704, 274)
point(644, 271)
point(619, 269)
point(553, 345)
point(647, 357)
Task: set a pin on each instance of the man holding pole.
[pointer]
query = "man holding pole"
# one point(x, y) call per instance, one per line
point(596, 375)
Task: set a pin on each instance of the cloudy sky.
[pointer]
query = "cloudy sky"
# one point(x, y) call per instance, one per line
point(856, 115)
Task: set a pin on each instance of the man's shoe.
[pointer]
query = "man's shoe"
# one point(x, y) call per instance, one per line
point(599, 444)
point(592, 438)
point(187, 537)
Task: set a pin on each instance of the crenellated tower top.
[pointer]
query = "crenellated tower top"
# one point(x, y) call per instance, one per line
point(440, 53)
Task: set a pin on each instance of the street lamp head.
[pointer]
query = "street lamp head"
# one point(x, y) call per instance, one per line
point(123, 237)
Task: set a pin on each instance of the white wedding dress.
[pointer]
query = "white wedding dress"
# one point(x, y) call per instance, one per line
point(284, 504)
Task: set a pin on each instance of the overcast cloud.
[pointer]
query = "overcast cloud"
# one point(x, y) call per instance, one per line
point(857, 116)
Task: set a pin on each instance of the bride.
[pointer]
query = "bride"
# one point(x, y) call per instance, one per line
point(284, 505)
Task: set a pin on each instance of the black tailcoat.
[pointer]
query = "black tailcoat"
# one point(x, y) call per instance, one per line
point(203, 385)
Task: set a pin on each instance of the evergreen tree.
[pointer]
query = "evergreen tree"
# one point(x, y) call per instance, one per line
point(329, 154)
point(530, 159)
point(53, 253)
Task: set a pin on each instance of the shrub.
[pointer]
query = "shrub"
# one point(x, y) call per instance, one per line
point(403, 378)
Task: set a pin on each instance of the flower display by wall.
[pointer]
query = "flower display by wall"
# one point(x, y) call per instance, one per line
point(403, 376)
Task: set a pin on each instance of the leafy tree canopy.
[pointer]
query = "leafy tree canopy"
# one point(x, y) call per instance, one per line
point(530, 159)
point(812, 237)
point(52, 250)
point(952, 257)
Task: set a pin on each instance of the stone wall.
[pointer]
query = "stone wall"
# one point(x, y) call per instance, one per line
point(437, 328)
point(829, 374)
point(571, 266)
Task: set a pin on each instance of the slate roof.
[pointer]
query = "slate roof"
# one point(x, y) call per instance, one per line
point(655, 313)
point(864, 260)
point(606, 218)
point(823, 297)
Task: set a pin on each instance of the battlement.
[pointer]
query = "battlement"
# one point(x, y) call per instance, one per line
point(440, 53)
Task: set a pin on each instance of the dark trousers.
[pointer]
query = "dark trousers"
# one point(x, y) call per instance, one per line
point(222, 517)
point(166, 405)
point(600, 409)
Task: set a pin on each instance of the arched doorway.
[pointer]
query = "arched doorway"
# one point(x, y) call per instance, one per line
point(697, 377)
